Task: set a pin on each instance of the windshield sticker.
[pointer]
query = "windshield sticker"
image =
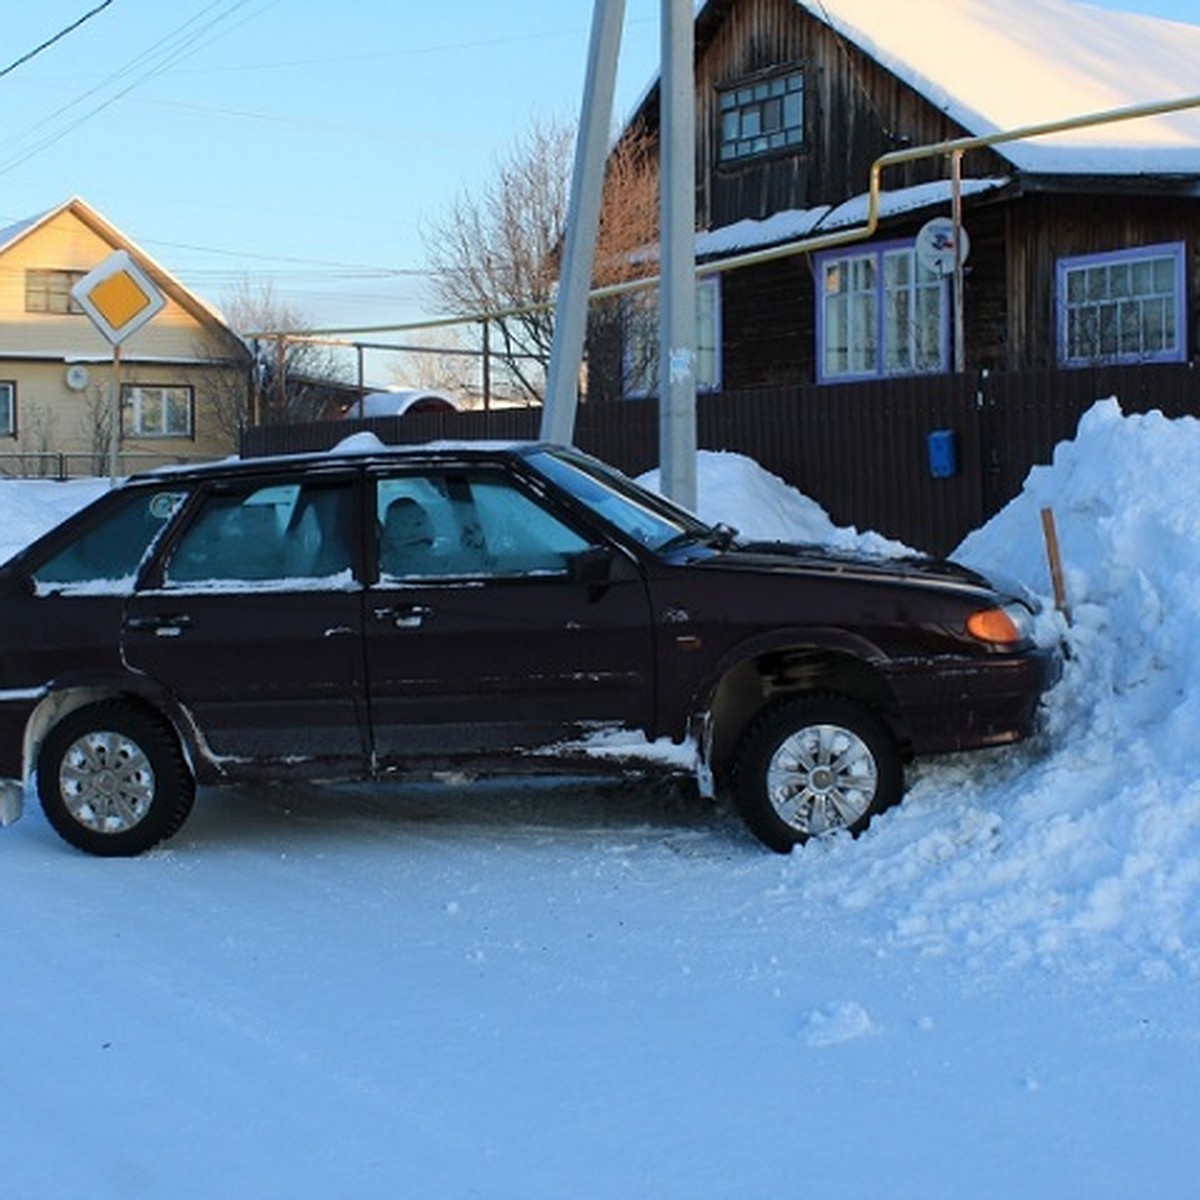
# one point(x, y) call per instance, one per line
point(164, 505)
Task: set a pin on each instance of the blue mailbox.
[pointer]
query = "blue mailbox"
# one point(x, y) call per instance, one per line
point(943, 454)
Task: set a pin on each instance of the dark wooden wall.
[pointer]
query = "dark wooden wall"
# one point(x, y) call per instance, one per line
point(855, 110)
point(860, 450)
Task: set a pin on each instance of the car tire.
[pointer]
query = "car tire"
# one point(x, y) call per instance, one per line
point(813, 766)
point(112, 779)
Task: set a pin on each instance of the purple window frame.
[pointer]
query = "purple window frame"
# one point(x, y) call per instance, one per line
point(1174, 250)
point(876, 250)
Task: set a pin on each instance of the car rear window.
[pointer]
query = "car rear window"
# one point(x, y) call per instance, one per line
point(105, 555)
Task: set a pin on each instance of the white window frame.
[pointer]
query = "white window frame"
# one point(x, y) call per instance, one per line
point(142, 421)
point(1131, 305)
point(48, 290)
point(641, 340)
point(864, 308)
point(8, 408)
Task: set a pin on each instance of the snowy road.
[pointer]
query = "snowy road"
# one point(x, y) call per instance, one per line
point(580, 992)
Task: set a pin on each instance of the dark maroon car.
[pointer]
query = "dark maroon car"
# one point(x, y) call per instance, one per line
point(374, 613)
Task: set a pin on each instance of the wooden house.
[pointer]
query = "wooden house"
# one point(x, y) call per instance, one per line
point(184, 377)
point(1082, 245)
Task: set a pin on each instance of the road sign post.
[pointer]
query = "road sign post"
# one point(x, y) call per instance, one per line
point(120, 298)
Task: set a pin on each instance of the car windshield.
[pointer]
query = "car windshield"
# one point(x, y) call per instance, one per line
point(649, 519)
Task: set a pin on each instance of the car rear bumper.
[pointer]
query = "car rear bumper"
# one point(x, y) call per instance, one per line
point(12, 801)
point(967, 704)
point(15, 710)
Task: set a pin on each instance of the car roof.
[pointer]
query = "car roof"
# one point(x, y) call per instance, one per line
point(357, 450)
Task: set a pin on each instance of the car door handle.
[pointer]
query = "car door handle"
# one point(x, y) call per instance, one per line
point(407, 616)
point(161, 624)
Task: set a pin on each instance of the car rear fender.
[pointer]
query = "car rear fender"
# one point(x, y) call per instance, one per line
point(68, 697)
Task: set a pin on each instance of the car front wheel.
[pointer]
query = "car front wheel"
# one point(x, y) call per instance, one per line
point(813, 766)
point(112, 779)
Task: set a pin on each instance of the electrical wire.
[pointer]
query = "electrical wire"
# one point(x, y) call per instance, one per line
point(62, 33)
point(180, 43)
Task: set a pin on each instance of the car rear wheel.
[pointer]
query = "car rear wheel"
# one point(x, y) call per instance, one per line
point(814, 766)
point(113, 780)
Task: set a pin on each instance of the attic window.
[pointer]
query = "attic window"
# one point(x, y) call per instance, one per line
point(762, 116)
point(50, 291)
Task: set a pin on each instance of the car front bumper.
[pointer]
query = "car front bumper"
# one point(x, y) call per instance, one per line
point(968, 704)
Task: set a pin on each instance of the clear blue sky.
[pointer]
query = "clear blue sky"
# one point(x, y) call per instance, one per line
point(298, 142)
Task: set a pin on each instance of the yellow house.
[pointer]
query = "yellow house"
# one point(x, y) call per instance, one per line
point(184, 377)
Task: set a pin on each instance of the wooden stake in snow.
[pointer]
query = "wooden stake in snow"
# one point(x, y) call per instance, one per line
point(1056, 568)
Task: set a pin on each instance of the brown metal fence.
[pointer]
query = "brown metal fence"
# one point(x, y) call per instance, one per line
point(859, 450)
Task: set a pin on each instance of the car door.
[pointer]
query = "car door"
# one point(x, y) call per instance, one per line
point(479, 634)
point(253, 620)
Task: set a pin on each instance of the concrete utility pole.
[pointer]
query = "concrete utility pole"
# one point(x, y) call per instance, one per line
point(677, 294)
point(583, 224)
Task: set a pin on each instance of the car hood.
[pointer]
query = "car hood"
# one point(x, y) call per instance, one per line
point(915, 570)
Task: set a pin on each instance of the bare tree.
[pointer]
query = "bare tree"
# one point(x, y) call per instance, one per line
point(498, 252)
point(37, 439)
point(292, 378)
point(97, 426)
point(440, 360)
point(625, 329)
point(627, 246)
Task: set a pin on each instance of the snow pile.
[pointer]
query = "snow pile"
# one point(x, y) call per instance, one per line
point(32, 506)
point(761, 507)
point(1080, 851)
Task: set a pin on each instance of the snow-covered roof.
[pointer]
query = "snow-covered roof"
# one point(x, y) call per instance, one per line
point(994, 65)
point(794, 223)
point(395, 402)
point(12, 233)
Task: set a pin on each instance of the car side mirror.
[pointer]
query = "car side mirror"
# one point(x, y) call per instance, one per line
point(593, 567)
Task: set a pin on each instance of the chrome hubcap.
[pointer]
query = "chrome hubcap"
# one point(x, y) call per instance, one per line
point(106, 782)
point(822, 778)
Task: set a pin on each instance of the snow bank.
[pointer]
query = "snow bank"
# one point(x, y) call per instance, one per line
point(735, 489)
point(32, 506)
point(1081, 850)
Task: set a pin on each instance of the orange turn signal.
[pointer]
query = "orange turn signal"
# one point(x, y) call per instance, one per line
point(993, 625)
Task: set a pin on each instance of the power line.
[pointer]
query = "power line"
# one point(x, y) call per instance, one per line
point(354, 268)
point(164, 54)
point(62, 33)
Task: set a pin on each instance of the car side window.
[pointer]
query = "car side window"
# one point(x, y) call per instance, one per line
point(273, 535)
point(106, 556)
point(460, 524)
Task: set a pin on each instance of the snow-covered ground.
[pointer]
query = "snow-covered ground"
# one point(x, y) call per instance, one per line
point(570, 991)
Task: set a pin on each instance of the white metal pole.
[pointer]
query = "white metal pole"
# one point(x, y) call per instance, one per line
point(677, 287)
point(583, 223)
point(960, 341)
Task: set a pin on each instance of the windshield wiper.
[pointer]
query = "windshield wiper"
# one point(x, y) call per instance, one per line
point(720, 537)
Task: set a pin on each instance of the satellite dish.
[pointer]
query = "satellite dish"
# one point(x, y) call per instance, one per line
point(935, 245)
point(77, 377)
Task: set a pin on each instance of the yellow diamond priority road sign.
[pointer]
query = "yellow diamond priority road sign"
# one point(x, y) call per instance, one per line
point(119, 296)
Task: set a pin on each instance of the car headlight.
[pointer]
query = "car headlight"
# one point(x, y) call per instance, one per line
point(1004, 625)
